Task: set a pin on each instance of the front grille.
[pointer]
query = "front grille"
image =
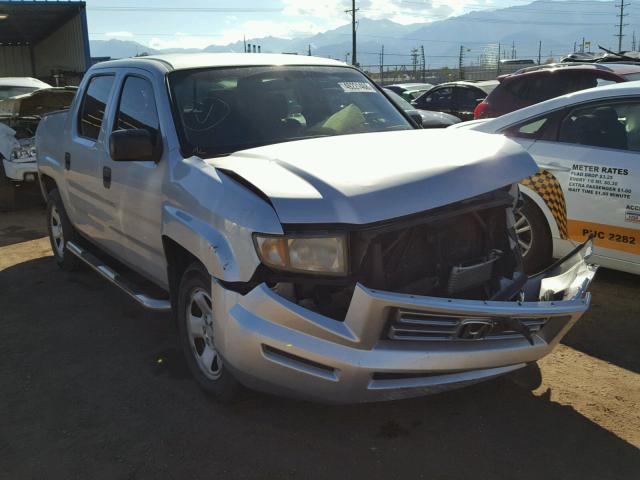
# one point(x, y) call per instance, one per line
point(420, 326)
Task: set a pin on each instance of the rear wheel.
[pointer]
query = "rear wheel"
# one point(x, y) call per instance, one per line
point(60, 232)
point(197, 335)
point(534, 237)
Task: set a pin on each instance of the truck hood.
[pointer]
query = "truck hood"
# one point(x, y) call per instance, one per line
point(365, 178)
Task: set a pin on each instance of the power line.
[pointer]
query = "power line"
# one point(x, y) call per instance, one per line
point(185, 9)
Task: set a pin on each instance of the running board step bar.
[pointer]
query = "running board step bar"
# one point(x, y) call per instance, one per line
point(118, 280)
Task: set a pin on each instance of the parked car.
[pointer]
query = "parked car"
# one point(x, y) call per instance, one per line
point(409, 91)
point(333, 268)
point(14, 86)
point(536, 84)
point(455, 98)
point(587, 146)
point(427, 119)
point(19, 118)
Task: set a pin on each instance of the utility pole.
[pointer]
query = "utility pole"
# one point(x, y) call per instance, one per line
point(382, 66)
point(354, 60)
point(633, 41)
point(539, 51)
point(460, 58)
point(244, 39)
point(424, 64)
point(498, 62)
point(582, 48)
point(621, 16)
point(513, 50)
point(309, 50)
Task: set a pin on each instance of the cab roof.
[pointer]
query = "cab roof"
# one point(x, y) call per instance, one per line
point(185, 61)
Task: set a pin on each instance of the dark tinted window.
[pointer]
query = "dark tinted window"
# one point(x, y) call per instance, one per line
point(93, 106)
point(468, 98)
point(439, 98)
point(607, 125)
point(539, 87)
point(137, 108)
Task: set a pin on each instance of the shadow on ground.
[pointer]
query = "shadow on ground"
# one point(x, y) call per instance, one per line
point(610, 330)
point(27, 220)
point(85, 395)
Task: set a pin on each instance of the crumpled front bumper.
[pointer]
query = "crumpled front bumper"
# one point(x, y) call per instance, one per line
point(275, 345)
point(17, 171)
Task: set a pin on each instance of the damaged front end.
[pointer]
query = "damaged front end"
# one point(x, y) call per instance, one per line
point(467, 250)
point(19, 120)
point(425, 303)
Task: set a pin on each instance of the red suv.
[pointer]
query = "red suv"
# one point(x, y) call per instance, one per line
point(537, 84)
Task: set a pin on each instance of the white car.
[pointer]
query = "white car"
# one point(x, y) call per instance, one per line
point(17, 130)
point(14, 86)
point(587, 146)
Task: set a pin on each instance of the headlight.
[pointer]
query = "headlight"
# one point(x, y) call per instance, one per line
point(316, 254)
point(24, 154)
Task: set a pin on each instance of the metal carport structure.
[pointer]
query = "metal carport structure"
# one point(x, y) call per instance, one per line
point(43, 39)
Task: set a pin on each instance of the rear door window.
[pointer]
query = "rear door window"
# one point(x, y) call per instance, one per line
point(440, 98)
point(605, 124)
point(468, 98)
point(94, 105)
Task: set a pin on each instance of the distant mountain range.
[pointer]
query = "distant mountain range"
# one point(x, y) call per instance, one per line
point(517, 30)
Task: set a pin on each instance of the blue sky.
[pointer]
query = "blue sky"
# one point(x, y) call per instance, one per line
point(199, 23)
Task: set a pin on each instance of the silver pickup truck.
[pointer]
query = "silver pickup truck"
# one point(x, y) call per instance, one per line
point(309, 238)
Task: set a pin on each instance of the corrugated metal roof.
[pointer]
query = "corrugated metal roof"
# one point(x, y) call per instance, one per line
point(28, 22)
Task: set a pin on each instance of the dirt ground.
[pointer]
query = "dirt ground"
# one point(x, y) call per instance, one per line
point(91, 386)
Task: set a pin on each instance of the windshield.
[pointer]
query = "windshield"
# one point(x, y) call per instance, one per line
point(630, 77)
point(220, 111)
point(6, 92)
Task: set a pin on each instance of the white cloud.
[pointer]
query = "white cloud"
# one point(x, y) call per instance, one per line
point(118, 34)
point(181, 40)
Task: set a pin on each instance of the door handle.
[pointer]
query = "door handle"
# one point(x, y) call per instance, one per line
point(67, 161)
point(554, 166)
point(106, 177)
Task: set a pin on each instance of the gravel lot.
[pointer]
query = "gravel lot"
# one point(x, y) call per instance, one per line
point(94, 387)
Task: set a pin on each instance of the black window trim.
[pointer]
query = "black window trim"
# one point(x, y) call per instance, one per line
point(84, 96)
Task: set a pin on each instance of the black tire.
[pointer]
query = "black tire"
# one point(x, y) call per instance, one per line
point(57, 215)
point(215, 379)
point(539, 254)
point(7, 190)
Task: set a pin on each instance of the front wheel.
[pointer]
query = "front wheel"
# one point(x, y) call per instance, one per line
point(60, 232)
point(197, 335)
point(534, 237)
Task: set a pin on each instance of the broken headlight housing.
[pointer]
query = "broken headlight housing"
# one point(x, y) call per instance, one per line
point(326, 255)
point(24, 154)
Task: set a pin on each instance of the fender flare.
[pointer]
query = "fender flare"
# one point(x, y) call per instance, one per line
point(204, 242)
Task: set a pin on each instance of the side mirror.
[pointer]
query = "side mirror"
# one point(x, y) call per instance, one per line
point(132, 145)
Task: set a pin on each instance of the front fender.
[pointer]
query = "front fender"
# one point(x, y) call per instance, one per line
point(207, 245)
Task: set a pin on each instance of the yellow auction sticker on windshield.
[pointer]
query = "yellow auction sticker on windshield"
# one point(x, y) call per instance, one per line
point(356, 87)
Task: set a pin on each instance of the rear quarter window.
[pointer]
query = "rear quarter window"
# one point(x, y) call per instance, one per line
point(93, 106)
